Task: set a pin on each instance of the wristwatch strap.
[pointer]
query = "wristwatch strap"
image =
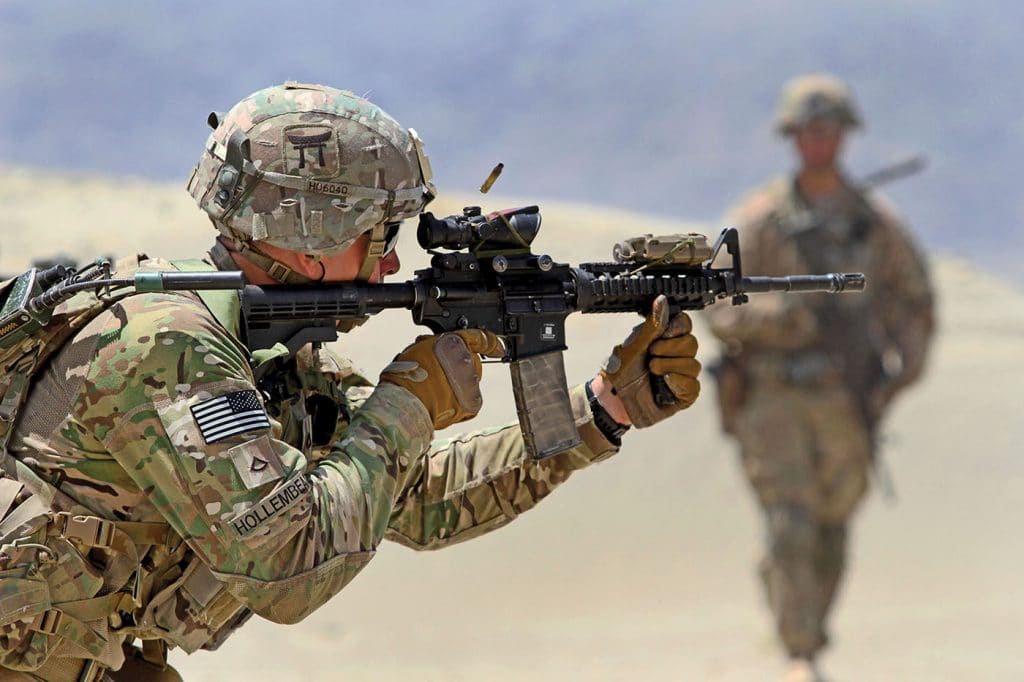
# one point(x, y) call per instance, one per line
point(611, 429)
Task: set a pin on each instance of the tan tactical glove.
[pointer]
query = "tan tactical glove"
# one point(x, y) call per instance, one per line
point(444, 373)
point(660, 347)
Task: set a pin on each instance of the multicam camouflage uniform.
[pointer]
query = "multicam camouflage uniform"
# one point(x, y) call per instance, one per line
point(205, 530)
point(805, 381)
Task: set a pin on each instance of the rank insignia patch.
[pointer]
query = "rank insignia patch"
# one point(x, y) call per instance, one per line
point(230, 414)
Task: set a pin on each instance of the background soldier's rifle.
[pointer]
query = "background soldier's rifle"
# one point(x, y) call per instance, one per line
point(896, 171)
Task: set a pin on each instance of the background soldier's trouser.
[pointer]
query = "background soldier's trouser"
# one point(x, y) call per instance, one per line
point(806, 453)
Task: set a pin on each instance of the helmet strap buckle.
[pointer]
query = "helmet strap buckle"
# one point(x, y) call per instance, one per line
point(237, 153)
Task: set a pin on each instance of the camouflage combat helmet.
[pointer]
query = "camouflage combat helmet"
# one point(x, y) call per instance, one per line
point(815, 96)
point(309, 169)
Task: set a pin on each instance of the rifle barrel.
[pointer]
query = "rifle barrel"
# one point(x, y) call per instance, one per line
point(833, 283)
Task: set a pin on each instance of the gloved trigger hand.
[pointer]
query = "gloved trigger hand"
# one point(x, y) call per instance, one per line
point(444, 372)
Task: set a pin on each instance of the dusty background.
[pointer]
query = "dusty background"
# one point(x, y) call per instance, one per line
point(662, 107)
point(642, 567)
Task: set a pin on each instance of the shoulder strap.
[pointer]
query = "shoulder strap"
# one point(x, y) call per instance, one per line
point(865, 209)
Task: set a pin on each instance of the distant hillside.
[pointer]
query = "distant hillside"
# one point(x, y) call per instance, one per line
point(656, 107)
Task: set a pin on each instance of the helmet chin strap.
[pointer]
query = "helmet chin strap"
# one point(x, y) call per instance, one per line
point(274, 268)
point(375, 251)
point(278, 271)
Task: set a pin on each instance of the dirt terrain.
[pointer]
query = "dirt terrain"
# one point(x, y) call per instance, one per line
point(641, 568)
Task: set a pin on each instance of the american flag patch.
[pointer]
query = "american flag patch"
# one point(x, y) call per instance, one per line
point(230, 414)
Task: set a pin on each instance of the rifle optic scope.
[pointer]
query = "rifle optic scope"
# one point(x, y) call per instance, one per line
point(511, 228)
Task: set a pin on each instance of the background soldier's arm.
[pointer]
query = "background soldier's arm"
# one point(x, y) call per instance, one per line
point(908, 308)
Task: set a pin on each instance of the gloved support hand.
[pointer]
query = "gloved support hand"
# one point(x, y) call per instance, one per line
point(444, 373)
point(657, 346)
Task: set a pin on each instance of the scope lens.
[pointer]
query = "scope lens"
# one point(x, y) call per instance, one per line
point(447, 233)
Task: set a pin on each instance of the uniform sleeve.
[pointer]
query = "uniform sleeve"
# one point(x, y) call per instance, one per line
point(774, 320)
point(475, 483)
point(908, 308)
point(172, 398)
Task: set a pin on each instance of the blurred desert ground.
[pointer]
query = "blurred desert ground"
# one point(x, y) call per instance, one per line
point(642, 567)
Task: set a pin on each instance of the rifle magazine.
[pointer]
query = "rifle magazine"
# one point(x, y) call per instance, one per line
point(542, 402)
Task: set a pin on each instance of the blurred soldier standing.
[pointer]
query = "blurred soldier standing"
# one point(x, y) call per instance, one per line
point(803, 383)
point(154, 493)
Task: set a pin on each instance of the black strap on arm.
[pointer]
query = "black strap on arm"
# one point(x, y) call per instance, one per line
point(611, 429)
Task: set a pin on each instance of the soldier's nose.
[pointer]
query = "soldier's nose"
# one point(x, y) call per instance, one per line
point(310, 267)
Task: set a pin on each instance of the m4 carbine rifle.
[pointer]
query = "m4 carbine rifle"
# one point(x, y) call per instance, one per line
point(485, 276)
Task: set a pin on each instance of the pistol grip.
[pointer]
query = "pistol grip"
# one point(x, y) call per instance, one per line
point(663, 395)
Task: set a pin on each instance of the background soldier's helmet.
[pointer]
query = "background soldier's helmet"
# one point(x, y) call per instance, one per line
point(309, 168)
point(815, 96)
